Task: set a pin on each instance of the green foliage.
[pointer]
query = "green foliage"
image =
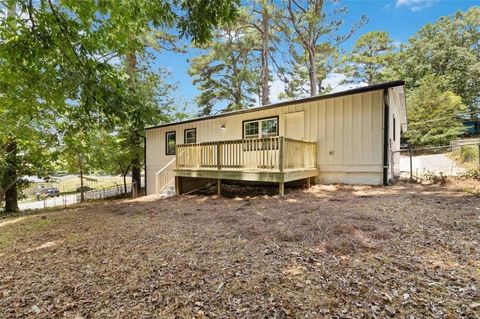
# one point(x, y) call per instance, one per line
point(371, 54)
point(60, 83)
point(433, 177)
point(433, 114)
point(227, 72)
point(314, 37)
point(296, 77)
point(467, 155)
point(448, 48)
point(472, 173)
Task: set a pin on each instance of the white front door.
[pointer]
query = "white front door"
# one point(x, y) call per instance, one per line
point(294, 125)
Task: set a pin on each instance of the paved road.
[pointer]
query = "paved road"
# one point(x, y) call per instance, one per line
point(49, 202)
point(431, 163)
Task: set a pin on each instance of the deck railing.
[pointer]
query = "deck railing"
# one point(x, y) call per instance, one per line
point(269, 154)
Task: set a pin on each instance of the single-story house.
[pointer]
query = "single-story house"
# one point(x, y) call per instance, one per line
point(344, 137)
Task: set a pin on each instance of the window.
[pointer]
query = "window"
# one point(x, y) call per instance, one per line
point(251, 129)
point(260, 128)
point(170, 142)
point(190, 136)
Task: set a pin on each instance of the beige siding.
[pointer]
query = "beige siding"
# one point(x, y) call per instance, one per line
point(348, 129)
point(394, 138)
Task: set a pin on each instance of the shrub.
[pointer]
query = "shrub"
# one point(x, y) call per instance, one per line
point(472, 173)
point(434, 178)
point(468, 154)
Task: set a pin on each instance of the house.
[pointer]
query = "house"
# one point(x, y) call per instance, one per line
point(344, 137)
point(472, 127)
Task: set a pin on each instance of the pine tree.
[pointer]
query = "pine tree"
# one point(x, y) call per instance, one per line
point(434, 115)
point(371, 54)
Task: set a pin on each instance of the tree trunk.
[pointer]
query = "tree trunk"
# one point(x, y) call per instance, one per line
point(125, 182)
point(265, 55)
point(10, 178)
point(312, 72)
point(135, 162)
point(136, 175)
point(82, 194)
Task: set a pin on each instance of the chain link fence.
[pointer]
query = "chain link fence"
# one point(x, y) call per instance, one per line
point(437, 162)
point(105, 192)
point(71, 199)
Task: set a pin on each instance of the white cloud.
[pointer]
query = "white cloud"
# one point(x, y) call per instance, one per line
point(415, 5)
point(276, 87)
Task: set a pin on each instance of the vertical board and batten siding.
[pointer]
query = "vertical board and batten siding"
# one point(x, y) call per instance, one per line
point(348, 130)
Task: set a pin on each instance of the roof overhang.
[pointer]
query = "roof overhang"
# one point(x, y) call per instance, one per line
point(398, 85)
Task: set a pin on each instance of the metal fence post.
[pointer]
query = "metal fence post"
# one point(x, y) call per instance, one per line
point(411, 162)
point(133, 190)
point(479, 155)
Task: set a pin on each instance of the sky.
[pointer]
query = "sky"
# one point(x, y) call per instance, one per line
point(400, 18)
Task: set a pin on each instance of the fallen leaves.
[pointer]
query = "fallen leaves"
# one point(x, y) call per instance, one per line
point(375, 252)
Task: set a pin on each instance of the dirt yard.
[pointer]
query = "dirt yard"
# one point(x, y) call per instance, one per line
point(329, 252)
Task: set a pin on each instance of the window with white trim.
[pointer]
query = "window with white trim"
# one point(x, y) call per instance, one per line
point(260, 128)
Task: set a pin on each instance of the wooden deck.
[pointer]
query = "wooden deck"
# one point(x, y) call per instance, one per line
point(272, 159)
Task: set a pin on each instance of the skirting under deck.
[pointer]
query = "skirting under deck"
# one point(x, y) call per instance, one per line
point(250, 175)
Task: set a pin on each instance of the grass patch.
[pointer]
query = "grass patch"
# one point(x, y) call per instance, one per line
point(466, 155)
point(11, 230)
point(6, 239)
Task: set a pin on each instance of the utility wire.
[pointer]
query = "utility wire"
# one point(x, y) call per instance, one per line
point(443, 118)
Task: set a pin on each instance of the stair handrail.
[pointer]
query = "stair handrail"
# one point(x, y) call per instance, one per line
point(168, 168)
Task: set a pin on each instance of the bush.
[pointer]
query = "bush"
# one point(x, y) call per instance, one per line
point(468, 154)
point(434, 178)
point(473, 173)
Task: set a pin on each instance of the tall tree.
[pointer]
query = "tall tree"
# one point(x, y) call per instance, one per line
point(267, 21)
point(296, 76)
point(448, 48)
point(148, 24)
point(52, 52)
point(226, 73)
point(434, 115)
point(38, 68)
point(317, 33)
point(265, 51)
point(370, 55)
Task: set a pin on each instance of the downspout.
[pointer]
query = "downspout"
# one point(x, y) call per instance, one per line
point(386, 114)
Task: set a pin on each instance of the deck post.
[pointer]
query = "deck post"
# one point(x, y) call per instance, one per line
point(281, 189)
point(308, 182)
point(219, 156)
point(219, 187)
point(178, 185)
point(281, 153)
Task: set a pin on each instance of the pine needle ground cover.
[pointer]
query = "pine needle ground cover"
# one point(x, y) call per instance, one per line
point(331, 251)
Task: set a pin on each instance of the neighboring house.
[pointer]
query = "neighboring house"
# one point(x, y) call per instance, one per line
point(472, 127)
point(345, 137)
